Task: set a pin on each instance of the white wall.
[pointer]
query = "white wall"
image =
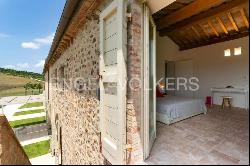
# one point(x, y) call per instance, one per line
point(210, 65)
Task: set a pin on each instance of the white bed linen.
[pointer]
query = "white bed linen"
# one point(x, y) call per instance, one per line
point(171, 109)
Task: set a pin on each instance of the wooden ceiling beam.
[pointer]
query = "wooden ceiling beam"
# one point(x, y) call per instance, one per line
point(243, 14)
point(196, 32)
point(222, 25)
point(192, 9)
point(204, 30)
point(229, 15)
point(218, 40)
point(176, 40)
point(213, 28)
point(194, 36)
point(214, 12)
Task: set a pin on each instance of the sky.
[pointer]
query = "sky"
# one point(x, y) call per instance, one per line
point(27, 28)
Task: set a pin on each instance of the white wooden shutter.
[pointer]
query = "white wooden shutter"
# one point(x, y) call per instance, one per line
point(113, 39)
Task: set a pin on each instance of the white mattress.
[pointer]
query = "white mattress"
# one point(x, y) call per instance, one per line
point(171, 109)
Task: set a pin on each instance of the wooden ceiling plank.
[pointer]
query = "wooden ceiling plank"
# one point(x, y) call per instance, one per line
point(189, 37)
point(232, 21)
point(176, 40)
point(180, 36)
point(219, 40)
point(196, 32)
point(222, 25)
point(243, 14)
point(193, 35)
point(204, 30)
point(213, 28)
point(217, 11)
point(190, 10)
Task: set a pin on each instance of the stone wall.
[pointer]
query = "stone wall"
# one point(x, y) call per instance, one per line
point(11, 152)
point(75, 114)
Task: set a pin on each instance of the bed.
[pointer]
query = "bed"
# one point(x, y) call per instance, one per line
point(171, 109)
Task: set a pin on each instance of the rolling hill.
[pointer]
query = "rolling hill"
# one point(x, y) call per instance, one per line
point(13, 85)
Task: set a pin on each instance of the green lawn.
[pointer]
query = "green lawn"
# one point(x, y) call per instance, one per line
point(17, 91)
point(29, 112)
point(37, 149)
point(27, 122)
point(31, 105)
point(14, 85)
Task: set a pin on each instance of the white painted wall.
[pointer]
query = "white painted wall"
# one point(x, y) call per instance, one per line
point(156, 5)
point(210, 65)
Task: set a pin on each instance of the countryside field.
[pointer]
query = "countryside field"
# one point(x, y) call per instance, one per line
point(14, 85)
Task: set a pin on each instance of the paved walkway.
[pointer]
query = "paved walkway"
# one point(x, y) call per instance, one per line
point(47, 159)
point(21, 99)
point(10, 110)
point(32, 141)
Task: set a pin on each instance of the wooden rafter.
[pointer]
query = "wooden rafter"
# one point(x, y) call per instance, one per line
point(190, 10)
point(204, 30)
point(176, 40)
point(217, 40)
point(222, 25)
point(214, 12)
point(196, 32)
point(180, 37)
point(189, 37)
point(213, 28)
point(243, 14)
point(232, 21)
point(195, 37)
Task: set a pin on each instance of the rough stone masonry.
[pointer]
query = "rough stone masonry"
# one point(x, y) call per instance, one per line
point(74, 115)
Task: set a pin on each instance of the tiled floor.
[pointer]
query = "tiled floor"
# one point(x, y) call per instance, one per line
point(220, 137)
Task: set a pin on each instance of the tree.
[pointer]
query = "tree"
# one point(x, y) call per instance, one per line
point(26, 87)
point(39, 87)
point(32, 87)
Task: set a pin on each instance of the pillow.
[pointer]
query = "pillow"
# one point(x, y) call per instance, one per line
point(158, 92)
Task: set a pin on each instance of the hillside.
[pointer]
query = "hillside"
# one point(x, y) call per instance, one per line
point(13, 85)
point(24, 74)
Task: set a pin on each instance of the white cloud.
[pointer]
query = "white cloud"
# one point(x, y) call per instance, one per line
point(20, 66)
point(23, 65)
point(3, 35)
point(40, 64)
point(38, 42)
point(45, 40)
point(9, 67)
point(30, 45)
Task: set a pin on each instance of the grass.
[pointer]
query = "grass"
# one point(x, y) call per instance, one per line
point(37, 149)
point(19, 91)
point(13, 85)
point(27, 122)
point(31, 105)
point(29, 112)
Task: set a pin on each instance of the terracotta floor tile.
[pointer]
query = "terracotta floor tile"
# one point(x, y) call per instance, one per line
point(220, 137)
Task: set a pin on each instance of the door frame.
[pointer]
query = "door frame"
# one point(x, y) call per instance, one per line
point(147, 141)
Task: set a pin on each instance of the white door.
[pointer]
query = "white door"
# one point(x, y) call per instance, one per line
point(113, 39)
point(184, 70)
point(149, 81)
